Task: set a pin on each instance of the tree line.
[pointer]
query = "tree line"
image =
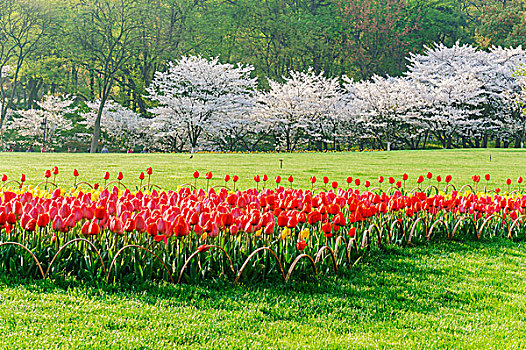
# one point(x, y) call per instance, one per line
point(108, 51)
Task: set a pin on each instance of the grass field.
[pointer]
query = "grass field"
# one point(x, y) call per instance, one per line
point(171, 170)
point(443, 294)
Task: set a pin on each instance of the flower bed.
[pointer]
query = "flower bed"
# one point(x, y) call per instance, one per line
point(191, 233)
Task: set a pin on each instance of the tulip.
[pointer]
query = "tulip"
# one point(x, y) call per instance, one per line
point(227, 178)
point(357, 182)
point(325, 180)
point(519, 179)
point(291, 179)
point(301, 245)
point(449, 178)
point(106, 176)
point(313, 179)
point(94, 229)
point(47, 174)
point(367, 183)
point(58, 224)
point(391, 180)
point(4, 177)
point(381, 179)
point(23, 178)
point(208, 175)
point(405, 177)
point(43, 220)
point(141, 176)
point(265, 178)
point(149, 171)
point(429, 175)
point(196, 174)
point(55, 170)
point(119, 176)
point(352, 232)
point(75, 172)
point(420, 179)
point(257, 179)
point(439, 178)
point(349, 179)
point(334, 185)
point(487, 177)
point(278, 179)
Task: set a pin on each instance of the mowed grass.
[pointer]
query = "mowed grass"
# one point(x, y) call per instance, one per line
point(171, 170)
point(462, 295)
point(444, 294)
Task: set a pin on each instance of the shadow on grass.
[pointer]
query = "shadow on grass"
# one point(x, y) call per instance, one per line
point(387, 282)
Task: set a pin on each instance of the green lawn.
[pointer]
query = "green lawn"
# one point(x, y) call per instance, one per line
point(171, 170)
point(444, 294)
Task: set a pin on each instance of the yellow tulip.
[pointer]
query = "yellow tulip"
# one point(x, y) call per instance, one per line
point(304, 234)
point(285, 233)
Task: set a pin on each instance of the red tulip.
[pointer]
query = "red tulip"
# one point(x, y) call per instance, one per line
point(334, 185)
point(30, 225)
point(508, 182)
point(43, 220)
point(4, 177)
point(257, 179)
point(23, 178)
point(55, 170)
point(96, 185)
point(381, 179)
point(420, 179)
point(149, 171)
point(196, 174)
point(449, 178)
point(152, 229)
point(47, 174)
point(291, 179)
point(75, 172)
point(278, 179)
point(357, 182)
point(227, 178)
point(313, 179)
point(265, 177)
point(106, 175)
point(519, 179)
point(352, 232)
point(487, 177)
point(94, 229)
point(391, 180)
point(58, 224)
point(405, 177)
point(301, 245)
point(208, 175)
point(325, 180)
point(119, 176)
point(349, 179)
point(398, 184)
point(367, 183)
point(429, 175)
point(439, 178)
point(141, 176)
point(235, 178)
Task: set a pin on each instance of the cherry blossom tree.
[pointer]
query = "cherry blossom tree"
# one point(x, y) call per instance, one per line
point(47, 125)
point(199, 98)
point(304, 107)
point(474, 92)
point(386, 110)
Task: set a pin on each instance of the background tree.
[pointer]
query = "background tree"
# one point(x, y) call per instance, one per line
point(197, 96)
